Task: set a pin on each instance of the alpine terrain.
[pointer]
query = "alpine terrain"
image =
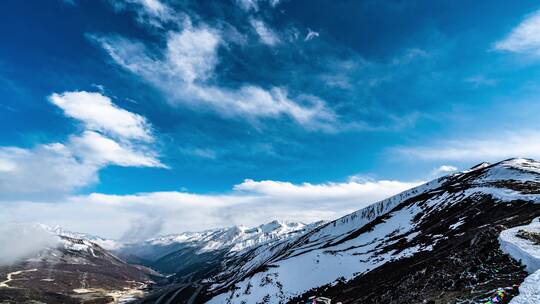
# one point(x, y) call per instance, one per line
point(436, 243)
point(469, 237)
point(72, 270)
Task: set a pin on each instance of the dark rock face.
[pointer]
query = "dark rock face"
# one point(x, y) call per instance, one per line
point(531, 236)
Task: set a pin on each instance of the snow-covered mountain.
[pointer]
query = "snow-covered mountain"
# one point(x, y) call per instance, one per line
point(385, 253)
point(193, 256)
point(232, 239)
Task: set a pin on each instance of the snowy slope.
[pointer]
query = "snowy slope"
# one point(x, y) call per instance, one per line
point(232, 239)
point(384, 232)
point(523, 244)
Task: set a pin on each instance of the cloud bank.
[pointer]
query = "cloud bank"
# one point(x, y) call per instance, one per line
point(248, 203)
point(19, 241)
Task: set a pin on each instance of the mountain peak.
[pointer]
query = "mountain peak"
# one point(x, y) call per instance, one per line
point(479, 166)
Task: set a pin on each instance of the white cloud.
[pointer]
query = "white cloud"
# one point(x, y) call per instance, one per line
point(266, 35)
point(249, 203)
point(55, 169)
point(97, 149)
point(366, 190)
point(444, 169)
point(186, 68)
point(98, 113)
point(192, 53)
point(154, 7)
point(253, 5)
point(152, 12)
point(524, 143)
point(311, 35)
point(525, 38)
point(7, 165)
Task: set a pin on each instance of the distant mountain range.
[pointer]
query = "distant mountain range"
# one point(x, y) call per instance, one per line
point(436, 243)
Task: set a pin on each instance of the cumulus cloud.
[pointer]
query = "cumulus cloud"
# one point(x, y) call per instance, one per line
point(524, 143)
point(184, 72)
point(249, 203)
point(525, 38)
point(99, 150)
point(49, 170)
point(20, 241)
point(98, 113)
point(266, 35)
point(192, 53)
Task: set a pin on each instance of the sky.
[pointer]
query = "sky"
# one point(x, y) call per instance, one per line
point(177, 115)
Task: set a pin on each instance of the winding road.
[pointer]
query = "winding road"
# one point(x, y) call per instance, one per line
point(10, 277)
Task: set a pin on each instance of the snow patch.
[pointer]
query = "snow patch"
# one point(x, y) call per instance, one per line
point(528, 252)
point(521, 249)
point(529, 291)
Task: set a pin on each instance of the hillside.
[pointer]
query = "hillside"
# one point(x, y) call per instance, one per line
point(436, 243)
point(73, 270)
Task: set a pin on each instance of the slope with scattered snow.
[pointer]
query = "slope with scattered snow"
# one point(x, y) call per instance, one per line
point(366, 239)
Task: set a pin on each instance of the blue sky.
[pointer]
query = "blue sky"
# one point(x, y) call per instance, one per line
point(205, 111)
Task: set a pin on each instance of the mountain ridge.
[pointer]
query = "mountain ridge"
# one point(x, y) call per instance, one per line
point(513, 181)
